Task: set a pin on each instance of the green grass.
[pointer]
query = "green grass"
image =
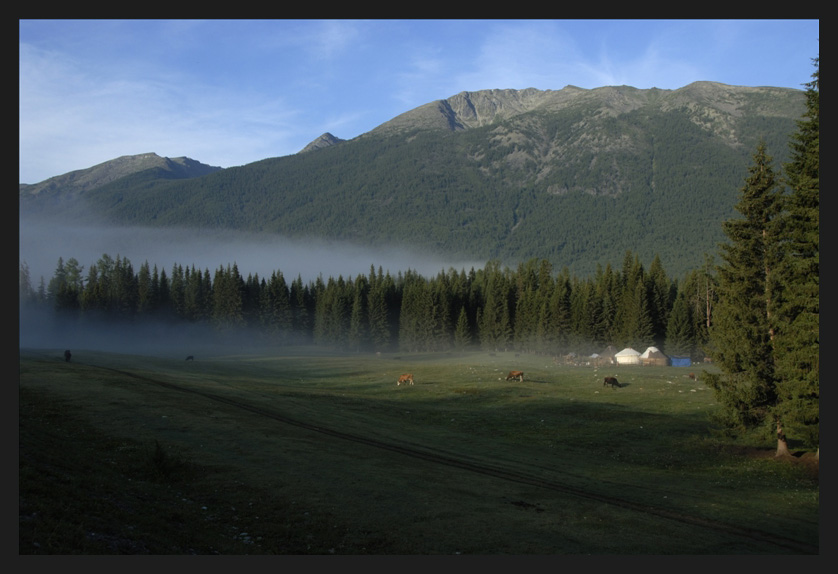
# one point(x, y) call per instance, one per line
point(310, 453)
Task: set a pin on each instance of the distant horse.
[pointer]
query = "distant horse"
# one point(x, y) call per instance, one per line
point(67, 355)
point(611, 381)
point(190, 358)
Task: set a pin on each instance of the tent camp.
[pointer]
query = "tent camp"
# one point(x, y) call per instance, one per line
point(653, 357)
point(627, 356)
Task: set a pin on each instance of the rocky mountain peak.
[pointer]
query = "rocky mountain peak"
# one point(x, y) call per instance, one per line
point(325, 140)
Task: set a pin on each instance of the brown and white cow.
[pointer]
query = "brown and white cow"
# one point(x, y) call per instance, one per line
point(406, 378)
point(515, 375)
point(611, 381)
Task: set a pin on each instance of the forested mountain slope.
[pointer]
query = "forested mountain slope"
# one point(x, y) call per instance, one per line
point(573, 176)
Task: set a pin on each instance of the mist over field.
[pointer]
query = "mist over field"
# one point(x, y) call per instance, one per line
point(43, 329)
point(42, 243)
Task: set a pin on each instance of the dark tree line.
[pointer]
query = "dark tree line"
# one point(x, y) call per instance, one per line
point(531, 308)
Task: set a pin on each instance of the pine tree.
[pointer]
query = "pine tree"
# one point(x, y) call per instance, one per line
point(381, 294)
point(797, 321)
point(439, 299)
point(462, 333)
point(144, 289)
point(74, 272)
point(358, 327)
point(302, 309)
point(251, 298)
point(154, 295)
point(644, 334)
point(275, 307)
point(93, 298)
point(123, 296)
point(164, 295)
point(25, 291)
point(741, 333)
point(496, 319)
point(661, 298)
point(59, 279)
point(195, 298)
point(333, 307)
point(176, 290)
point(65, 288)
point(627, 316)
point(228, 298)
point(410, 312)
point(679, 330)
point(527, 307)
point(559, 316)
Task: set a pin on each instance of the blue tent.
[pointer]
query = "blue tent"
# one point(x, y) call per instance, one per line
point(680, 361)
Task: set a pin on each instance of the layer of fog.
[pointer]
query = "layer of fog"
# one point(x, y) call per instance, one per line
point(41, 328)
point(42, 244)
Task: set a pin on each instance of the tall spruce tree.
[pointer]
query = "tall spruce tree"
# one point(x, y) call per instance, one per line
point(302, 309)
point(462, 333)
point(679, 330)
point(797, 325)
point(58, 281)
point(25, 291)
point(144, 289)
point(358, 332)
point(380, 298)
point(742, 330)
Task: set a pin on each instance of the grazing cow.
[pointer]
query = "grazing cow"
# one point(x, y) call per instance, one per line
point(190, 358)
point(67, 355)
point(691, 376)
point(407, 379)
point(611, 381)
point(515, 375)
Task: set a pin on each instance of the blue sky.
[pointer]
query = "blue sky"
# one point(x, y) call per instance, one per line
point(231, 92)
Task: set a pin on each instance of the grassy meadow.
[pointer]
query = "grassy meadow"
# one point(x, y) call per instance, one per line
point(304, 452)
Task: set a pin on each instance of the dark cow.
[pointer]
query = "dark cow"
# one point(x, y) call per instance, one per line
point(406, 378)
point(611, 381)
point(190, 358)
point(691, 376)
point(515, 375)
point(67, 355)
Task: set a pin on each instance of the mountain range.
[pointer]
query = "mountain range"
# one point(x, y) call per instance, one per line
point(575, 176)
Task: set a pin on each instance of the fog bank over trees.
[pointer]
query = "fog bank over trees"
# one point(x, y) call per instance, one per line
point(42, 243)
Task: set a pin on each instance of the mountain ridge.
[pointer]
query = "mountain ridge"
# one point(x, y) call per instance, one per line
point(575, 176)
point(464, 110)
point(86, 179)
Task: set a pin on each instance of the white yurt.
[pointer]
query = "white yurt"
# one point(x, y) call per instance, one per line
point(627, 356)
